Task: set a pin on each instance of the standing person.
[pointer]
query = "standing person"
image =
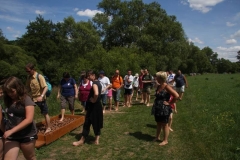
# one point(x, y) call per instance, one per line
point(136, 85)
point(147, 80)
point(141, 84)
point(38, 88)
point(161, 107)
point(67, 92)
point(94, 114)
point(105, 82)
point(1, 121)
point(117, 84)
point(181, 82)
point(20, 129)
point(128, 88)
point(84, 90)
point(170, 78)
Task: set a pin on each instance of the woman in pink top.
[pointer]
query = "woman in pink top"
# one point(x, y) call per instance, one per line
point(109, 98)
point(84, 90)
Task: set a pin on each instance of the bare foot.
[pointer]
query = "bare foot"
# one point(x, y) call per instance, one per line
point(103, 111)
point(163, 143)
point(116, 109)
point(96, 142)
point(78, 143)
point(170, 129)
point(175, 111)
point(147, 104)
point(141, 101)
point(48, 130)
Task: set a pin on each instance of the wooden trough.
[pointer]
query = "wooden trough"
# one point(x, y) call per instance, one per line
point(59, 132)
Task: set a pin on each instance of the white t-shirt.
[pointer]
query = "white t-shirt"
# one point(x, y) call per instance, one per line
point(135, 81)
point(126, 84)
point(104, 82)
point(170, 78)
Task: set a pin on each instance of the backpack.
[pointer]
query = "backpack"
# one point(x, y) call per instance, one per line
point(48, 85)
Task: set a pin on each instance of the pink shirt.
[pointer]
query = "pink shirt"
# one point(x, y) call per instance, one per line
point(109, 93)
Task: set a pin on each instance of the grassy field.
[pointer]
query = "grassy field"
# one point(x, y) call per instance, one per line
point(205, 127)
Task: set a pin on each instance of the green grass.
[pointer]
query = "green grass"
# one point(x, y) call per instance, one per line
point(205, 127)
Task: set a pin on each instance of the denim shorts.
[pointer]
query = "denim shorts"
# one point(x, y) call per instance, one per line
point(104, 99)
point(43, 107)
point(116, 95)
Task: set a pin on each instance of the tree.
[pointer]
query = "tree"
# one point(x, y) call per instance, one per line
point(238, 56)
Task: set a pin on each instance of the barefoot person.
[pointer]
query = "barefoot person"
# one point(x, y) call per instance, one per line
point(161, 107)
point(20, 129)
point(94, 114)
point(38, 88)
point(67, 92)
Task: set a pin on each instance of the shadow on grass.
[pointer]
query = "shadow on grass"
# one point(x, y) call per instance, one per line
point(151, 125)
point(140, 135)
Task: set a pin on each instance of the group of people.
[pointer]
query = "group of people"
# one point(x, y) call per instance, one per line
point(18, 129)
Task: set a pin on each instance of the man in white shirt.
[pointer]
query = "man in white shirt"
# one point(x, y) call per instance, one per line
point(105, 82)
point(128, 88)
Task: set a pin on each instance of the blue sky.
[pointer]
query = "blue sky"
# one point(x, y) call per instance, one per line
point(213, 23)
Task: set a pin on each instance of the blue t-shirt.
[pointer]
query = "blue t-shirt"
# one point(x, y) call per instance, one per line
point(179, 79)
point(68, 87)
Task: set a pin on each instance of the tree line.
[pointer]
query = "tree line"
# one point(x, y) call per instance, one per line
point(127, 35)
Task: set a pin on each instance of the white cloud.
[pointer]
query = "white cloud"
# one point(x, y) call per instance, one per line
point(203, 6)
point(75, 9)
point(10, 18)
point(195, 40)
point(9, 28)
point(40, 12)
point(229, 24)
point(236, 34)
point(228, 53)
point(231, 41)
point(88, 13)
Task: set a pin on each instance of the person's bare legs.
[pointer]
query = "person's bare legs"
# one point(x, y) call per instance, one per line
point(48, 124)
point(142, 100)
point(62, 114)
point(175, 109)
point(11, 150)
point(116, 104)
point(72, 112)
point(148, 100)
point(180, 95)
point(137, 95)
point(125, 101)
point(158, 132)
point(166, 133)
point(28, 150)
point(129, 100)
point(170, 122)
point(110, 103)
point(144, 97)
point(97, 140)
point(80, 142)
point(104, 108)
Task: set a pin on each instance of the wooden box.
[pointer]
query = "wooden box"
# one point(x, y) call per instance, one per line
point(59, 132)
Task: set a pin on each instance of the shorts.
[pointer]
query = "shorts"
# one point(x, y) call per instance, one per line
point(70, 100)
point(104, 99)
point(24, 140)
point(43, 107)
point(147, 90)
point(116, 95)
point(162, 119)
point(127, 91)
point(180, 89)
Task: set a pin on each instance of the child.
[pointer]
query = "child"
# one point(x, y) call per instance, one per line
point(109, 99)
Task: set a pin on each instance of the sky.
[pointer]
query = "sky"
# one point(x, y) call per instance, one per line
point(207, 23)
